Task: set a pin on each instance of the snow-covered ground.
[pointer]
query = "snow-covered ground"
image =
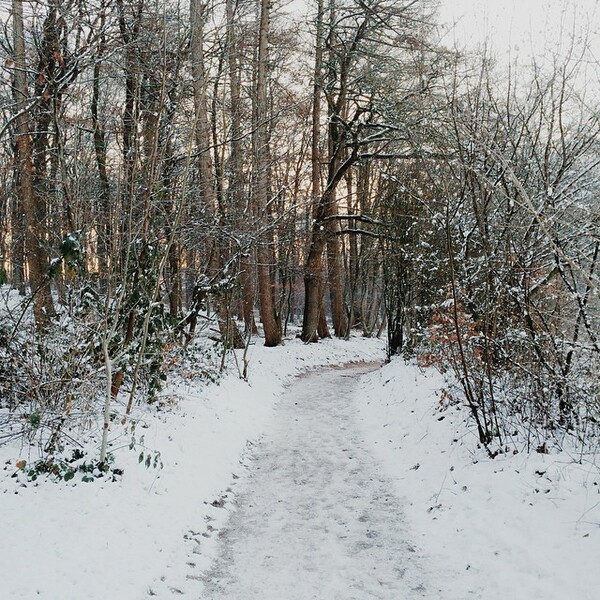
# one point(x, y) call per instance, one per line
point(316, 517)
point(518, 527)
point(74, 541)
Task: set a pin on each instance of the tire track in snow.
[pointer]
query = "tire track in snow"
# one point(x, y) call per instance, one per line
point(316, 517)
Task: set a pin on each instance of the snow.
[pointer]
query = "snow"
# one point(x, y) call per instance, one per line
point(316, 518)
point(349, 487)
point(518, 526)
point(91, 541)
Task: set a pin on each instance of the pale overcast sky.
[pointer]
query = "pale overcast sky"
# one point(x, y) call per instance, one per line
point(509, 25)
point(520, 25)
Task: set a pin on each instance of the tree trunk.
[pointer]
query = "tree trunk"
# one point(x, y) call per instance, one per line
point(236, 198)
point(336, 273)
point(129, 135)
point(103, 211)
point(203, 134)
point(264, 252)
point(313, 286)
point(17, 245)
point(314, 323)
point(43, 307)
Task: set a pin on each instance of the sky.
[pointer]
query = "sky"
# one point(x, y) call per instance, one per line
point(510, 27)
point(522, 27)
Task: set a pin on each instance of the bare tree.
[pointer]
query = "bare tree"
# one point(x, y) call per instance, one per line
point(30, 197)
point(264, 253)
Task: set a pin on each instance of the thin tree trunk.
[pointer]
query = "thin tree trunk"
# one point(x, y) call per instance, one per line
point(264, 252)
point(129, 34)
point(104, 207)
point(335, 267)
point(353, 269)
point(314, 324)
point(236, 172)
point(43, 307)
point(203, 134)
point(17, 245)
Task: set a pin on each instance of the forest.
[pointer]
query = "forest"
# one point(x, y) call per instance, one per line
point(180, 180)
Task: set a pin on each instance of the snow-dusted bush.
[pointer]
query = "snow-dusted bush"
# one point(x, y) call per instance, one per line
point(53, 382)
point(50, 382)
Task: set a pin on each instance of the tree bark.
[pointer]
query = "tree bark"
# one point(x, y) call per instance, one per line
point(314, 324)
point(203, 134)
point(264, 253)
point(104, 219)
point(43, 307)
point(17, 245)
point(335, 266)
point(236, 199)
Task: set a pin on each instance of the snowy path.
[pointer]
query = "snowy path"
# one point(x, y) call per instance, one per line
point(316, 517)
